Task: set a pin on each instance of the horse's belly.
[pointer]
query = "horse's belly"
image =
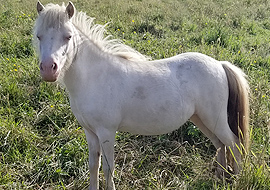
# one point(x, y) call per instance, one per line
point(150, 129)
point(145, 123)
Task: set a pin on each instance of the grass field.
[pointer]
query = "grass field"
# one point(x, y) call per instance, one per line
point(42, 146)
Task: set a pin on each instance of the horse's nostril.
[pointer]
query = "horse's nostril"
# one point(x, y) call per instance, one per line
point(54, 66)
point(51, 67)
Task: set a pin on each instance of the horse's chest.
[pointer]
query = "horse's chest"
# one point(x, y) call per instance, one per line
point(94, 112)
point(78, 111)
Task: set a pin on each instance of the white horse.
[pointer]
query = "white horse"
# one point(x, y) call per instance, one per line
point(113, 88)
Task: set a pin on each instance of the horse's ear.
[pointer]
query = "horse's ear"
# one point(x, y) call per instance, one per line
point(40, 7)
point(70, 10)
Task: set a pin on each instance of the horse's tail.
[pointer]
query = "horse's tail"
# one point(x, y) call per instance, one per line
point(238, 103)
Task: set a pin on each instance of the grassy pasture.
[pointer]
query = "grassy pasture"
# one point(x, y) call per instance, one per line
point(42, 146)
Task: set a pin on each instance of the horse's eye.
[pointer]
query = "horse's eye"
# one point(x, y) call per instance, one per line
point(68, 37)
point(38, 37)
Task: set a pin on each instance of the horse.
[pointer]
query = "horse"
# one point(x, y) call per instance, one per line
point(112, 87)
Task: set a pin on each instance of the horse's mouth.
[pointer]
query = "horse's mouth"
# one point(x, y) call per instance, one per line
point(49, 77)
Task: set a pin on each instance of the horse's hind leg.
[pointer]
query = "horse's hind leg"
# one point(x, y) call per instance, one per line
point(224, 133)
point(221, 156)
point(217, 123)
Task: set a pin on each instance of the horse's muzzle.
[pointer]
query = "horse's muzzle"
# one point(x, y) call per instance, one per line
point(49, 71)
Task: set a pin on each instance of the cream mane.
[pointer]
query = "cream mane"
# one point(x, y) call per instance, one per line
point(55, 14)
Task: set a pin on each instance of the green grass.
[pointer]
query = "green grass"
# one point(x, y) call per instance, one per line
point(42, 146)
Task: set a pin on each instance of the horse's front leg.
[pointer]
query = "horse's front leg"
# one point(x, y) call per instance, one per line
point(94, 158)
point(107, 140)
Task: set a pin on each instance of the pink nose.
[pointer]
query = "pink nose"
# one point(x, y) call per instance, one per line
point(48, 70)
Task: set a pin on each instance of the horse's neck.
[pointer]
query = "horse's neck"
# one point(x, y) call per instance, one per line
point(88, 63)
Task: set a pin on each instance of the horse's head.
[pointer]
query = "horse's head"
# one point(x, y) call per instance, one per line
point(53, 35)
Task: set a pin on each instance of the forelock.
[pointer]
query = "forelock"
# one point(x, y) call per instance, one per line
point(52, 16)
